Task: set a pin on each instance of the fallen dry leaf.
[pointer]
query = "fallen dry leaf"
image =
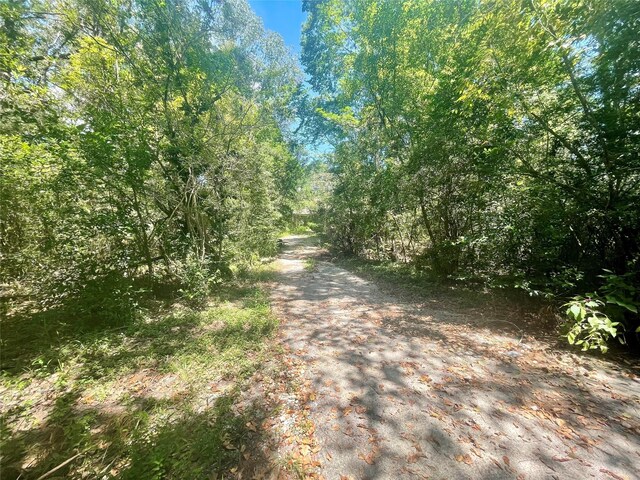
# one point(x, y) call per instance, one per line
point(466, 458)
point(414, 457)
point(611, 474)
point(561, 459)
point(305, 450)
point(369, 458)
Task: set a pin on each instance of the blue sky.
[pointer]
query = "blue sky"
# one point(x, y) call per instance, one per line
point(286, 17)
point(282, 16)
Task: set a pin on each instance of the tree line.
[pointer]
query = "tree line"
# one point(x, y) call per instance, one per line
point(491, 140)
point(155, 142)
point(142, 142)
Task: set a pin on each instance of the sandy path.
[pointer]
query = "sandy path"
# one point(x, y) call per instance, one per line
point(403, 393)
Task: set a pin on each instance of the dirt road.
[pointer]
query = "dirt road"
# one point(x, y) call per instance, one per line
point(403, 392)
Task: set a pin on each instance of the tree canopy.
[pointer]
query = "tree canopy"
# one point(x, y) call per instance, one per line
point(483, 139)
point(156, 140)
point(140, 138)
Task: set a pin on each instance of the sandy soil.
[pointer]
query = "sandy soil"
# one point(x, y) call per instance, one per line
point(402, 391)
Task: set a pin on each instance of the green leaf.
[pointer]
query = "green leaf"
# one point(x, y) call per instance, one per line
point(575, 311)
point(594, 322)
point(624, 304)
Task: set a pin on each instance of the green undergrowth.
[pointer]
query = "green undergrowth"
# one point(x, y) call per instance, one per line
point(305, 229)
point(158, 397)
point(311, 265)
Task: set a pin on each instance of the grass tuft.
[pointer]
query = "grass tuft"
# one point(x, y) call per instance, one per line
point(158, 397)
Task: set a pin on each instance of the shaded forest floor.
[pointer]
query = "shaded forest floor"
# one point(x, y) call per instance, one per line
point(181, 392)
point(304, 369)
point(436, 384)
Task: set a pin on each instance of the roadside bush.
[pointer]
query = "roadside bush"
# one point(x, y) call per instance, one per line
point(597, 318)
point(199, 277)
